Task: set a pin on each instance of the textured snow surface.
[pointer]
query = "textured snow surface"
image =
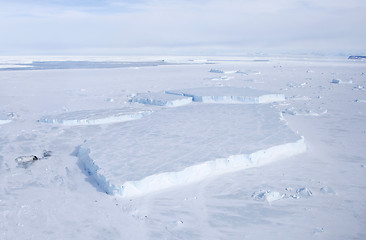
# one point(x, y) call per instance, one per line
point(228, 95)
point(182, 145)
point(93, 117)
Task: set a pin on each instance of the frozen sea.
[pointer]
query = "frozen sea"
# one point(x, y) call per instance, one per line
point(182, 148)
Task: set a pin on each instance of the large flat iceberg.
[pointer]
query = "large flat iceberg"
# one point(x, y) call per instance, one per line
point(176, 146)
point(228, 95)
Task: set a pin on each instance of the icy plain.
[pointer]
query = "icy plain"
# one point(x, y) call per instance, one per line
point(78, 116)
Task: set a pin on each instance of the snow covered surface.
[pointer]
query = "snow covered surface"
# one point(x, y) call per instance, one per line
point(318, 194)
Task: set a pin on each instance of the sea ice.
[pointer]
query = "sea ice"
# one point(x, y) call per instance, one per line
point(94, 117)
point(228, 95)
point(178, 146)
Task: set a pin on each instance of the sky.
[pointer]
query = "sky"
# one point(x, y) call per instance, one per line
point(181, 27)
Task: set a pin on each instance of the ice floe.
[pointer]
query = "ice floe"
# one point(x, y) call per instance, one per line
point(94, 117)
point(161, 99)
point(178, 146)
point(228, 95)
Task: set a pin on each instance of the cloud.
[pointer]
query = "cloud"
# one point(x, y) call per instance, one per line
point(169, 26)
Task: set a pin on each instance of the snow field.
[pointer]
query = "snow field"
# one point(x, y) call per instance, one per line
point(318, 194)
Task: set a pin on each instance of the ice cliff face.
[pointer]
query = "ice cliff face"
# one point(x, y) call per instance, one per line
point(175, 98)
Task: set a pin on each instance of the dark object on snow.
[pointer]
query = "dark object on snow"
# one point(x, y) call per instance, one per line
point(47, 154)
point(26, 161)
point(357, 57)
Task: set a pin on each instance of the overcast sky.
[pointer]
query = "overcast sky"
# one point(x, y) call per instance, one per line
point(105, 27)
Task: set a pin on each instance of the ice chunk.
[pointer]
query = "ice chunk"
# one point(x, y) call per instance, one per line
point(178, 146)
point(228, 95)
point(93, 117)
point(358, 87)
point(216, 71)
point(304, 192)
point(161, 99)
point(338, 81)
point(268, 196)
